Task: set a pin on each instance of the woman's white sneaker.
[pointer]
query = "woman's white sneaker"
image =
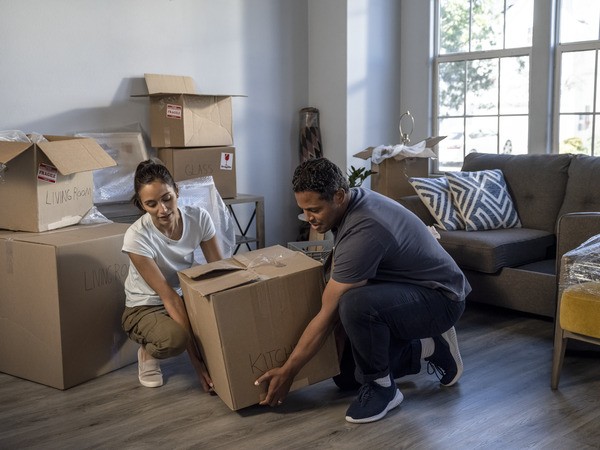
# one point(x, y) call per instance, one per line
point(149, 372)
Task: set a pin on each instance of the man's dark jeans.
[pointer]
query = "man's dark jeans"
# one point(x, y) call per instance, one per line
point(385, 321)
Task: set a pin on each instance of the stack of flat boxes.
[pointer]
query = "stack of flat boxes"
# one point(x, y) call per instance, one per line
point(192, 132)
point(61, 284)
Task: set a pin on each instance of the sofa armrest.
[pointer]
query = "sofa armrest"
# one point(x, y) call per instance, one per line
point(414, 204)
point(574, 229)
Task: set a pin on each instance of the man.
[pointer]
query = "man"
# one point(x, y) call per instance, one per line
point(395, 290)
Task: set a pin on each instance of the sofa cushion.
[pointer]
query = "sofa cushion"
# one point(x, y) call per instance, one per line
point(436, 196)
point(582, 193)
point(536, 183)
point(489, 251)
point(482, 200)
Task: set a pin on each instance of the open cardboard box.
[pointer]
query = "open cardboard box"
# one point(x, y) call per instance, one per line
point(390, 177)
point(248, 312)
point(48, 185)
point(182, 117)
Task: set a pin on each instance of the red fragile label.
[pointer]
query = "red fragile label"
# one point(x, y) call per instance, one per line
point(174, 111)
point(47, 173)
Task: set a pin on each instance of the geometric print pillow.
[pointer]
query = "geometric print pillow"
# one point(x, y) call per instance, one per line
point(482, 200)
point(435, 195)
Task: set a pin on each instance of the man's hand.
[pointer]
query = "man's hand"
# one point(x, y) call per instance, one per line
point(279, 381)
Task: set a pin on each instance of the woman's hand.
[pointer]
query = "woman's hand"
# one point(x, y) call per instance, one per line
point(202, 373)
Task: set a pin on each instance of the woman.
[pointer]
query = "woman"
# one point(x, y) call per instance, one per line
point(159, 244)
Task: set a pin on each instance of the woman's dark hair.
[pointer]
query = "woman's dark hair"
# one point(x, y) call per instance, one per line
point(319, 175)
point(148, 171)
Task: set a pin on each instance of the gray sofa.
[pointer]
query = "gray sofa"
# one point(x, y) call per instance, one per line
point(557, 198)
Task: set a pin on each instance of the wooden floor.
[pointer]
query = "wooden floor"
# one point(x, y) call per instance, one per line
point(503, 401)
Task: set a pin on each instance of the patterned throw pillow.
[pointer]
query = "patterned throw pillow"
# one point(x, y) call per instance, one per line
point(435, 194)
point(482, 200)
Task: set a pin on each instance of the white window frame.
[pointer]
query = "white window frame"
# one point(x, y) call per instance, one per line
point(541, 56)
point(568, 48)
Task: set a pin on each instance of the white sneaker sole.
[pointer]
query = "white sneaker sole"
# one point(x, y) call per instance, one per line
point(391, 405)
point(452, 340)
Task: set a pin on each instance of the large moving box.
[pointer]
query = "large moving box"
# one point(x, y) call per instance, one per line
point(190, 163)
point(181, 117)
point(61, 300)
point(248, 312)
point(48, 185)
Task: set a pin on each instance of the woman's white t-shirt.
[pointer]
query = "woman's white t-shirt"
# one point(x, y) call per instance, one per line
point(171, 256)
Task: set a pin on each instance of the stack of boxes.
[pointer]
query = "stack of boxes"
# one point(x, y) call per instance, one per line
point(61, 284)
point(192, 132)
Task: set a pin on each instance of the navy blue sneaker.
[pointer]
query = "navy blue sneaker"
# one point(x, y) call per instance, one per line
point(373, 402)
point(446, 362)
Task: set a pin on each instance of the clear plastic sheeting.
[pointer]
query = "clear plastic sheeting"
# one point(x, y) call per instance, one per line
point(93, 217)
point(581, 266)
point(203, 192)
point(13, 136)
point(128, 149)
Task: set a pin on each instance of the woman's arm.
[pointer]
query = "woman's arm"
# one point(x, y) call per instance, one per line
point(211, 249)
point(175, 307)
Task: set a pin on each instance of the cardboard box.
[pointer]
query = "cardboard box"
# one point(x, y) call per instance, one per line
point(189, 163)
point(248, 312)
point(390, 177)
point(48, 185)
point(61, 300)
point(181, 117)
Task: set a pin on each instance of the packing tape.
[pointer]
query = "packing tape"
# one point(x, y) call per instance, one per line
point(64, 222)
point(8, 251)
point(167, 135)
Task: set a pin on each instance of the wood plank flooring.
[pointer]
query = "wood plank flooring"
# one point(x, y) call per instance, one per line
point(503, 401)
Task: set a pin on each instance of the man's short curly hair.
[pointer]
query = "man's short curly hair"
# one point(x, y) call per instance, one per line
point(319, 175)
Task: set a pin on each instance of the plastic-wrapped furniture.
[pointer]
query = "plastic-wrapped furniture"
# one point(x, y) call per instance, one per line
point(578, 308)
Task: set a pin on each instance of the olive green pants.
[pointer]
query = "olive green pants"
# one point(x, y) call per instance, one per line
point(153, 328)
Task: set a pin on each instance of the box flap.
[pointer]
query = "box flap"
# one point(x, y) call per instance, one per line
point(169, 84)
point(218, 281)
point(10, 150)
point(160, 85)
point(219, 276)
point(76, 155)
point(202, 270)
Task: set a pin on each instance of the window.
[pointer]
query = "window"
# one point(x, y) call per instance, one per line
point(577, 100)
point(487, 96)
point(482, 72)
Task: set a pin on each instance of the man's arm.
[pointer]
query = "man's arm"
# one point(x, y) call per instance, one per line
point(280, 379)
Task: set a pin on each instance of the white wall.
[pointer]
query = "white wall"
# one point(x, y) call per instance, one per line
point(415, 73)
point(373, 84)
point(354, 75)
point(68, 66)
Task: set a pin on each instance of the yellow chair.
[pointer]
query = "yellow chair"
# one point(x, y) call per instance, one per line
point(578, 317)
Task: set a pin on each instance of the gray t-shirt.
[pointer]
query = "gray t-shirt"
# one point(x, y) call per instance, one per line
point(379, 239)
